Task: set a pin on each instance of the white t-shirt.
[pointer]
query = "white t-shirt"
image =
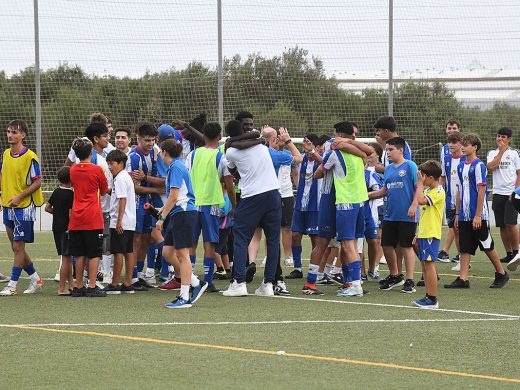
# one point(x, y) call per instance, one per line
point(72, 154)
point(100, 161)
point(284, 178)
point(504, 176)
point(123, 188)
point(255, 166)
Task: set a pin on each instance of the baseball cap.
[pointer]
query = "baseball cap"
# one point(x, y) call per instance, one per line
point(166, 131)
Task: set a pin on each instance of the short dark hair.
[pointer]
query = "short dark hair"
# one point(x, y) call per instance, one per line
point(455, 137)
point(322, 139)
point(172, 147)
point(212, 130)
point(19, 125)
point(126, 130)
point(398, 142)
point(98, 117)
point(507, 131)
point(453, 122)
point(386, 122)
point(63, 175)
point(199, 121)
point(95, 129)
point(431, 168)
point(118, 156)
point(346, 128)
point(145, 129)
point(234, 128)
point(82, 147)
point(378, 149)
point(243, 114)
point(313, 138)
point(473, 140)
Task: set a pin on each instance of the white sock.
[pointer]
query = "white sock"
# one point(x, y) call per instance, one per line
point(107, 263)
point(34, 277)
point(135, 280)
point(150, 272)
point(170, 268)
point(336, 270)
point(12, 284)
point(320, 275)
point(327, 269)
point(194, 280)
point(185, 292)
point(140, 275)
point(356, 283)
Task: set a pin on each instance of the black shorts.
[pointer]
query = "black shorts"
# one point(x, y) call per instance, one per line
point(221, 247)
point(61, 240)
point(87, 243)
point(505, 213)
point(450, 217)
point(179, 231)
point(287, 211)
point(398, 233)
point(470, 239)
point(121, 243)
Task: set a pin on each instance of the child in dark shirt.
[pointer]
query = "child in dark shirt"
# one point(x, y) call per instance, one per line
point(60, 205)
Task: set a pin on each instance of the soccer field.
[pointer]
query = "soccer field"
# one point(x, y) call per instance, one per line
point(375, 341)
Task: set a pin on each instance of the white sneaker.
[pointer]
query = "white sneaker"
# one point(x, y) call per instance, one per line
point(150, 279)
point(264, 261)
point(289, 262)
point(514, 263)
point(98, 284)
point(235, 290)
point(8, 291)
point(34, 286)
point(57, 276)
point(265, 290)
point(107, 278)
point(352, 291)
point(3, 278)
point(382, 260)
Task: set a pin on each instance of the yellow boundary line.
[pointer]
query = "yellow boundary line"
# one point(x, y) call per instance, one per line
point(273, 353)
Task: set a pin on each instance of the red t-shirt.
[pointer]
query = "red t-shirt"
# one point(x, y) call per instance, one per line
point(89, 183)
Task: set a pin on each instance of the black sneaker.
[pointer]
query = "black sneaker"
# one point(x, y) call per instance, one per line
point(127, 289)
point(458, 283)
point(250, 272)
point(385, 280)
point(78, 292)
point(307, 290)
point(507, 258)
point(364, 278)
point(222, 275)
point(391, 282)
point(211, 288)
point(409, 287)
point(500, 280)
point(336, 278)
point(443, 257)
point(144, 283)
point(112, 290)
point(420, 283)
point(95, 292)
point(137, 286)
point(281, 289)
point(295, 274)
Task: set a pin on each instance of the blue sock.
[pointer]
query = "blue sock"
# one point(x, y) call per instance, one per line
point(73, 262)
point(151, 254)
point(140, 265)
point(346, 273)
point(193, 259)
point(355, 270)
point(134, 273)
point(297, 257)
point(312, 273)
point(29, 269)
point(15, 274)
point(209, 269)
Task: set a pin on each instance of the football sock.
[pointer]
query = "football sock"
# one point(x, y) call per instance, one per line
point(355, 271)
point(312, 273)
point(185, 292)
point(193, 259)
point(209, 269)
point(346, 275)
point(297, 257)
point(328, 268)
point(15, 275)
point(194, 280)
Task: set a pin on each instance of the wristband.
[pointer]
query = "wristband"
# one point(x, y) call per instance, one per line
point(162, 218)
point(288, 141)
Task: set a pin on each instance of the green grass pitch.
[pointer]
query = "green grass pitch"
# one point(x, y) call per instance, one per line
point(379, 340)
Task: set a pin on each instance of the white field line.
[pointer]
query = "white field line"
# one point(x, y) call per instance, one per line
point(400, 306)
point(283, 322)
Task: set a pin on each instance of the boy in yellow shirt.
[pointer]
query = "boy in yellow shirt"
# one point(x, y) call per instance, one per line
point(432, 199)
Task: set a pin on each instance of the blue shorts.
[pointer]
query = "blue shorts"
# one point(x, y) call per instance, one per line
point(428, 248)
point(22, 230)
point(327, 216)
point(350, 222)
point(305, 222)
point(381, 215)
point(143, 223)
point(209, 225)
point(179, 231)
point(370, 224)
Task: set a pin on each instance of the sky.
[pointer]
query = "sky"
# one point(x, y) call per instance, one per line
point(130, 37)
